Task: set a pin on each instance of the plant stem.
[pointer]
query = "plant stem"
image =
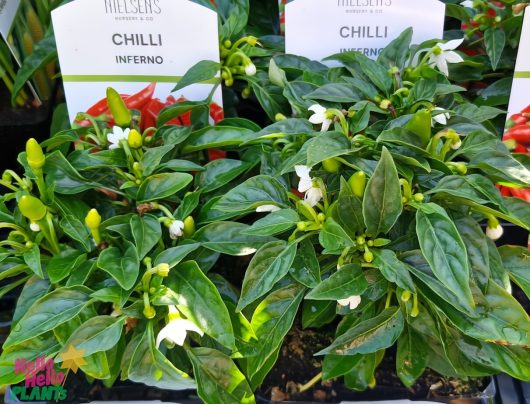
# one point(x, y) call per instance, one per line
point(310, 383)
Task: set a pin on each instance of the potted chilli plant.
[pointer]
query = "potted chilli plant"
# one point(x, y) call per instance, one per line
point(361, 216)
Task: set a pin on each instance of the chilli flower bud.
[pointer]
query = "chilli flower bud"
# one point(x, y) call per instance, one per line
point(93, 220)
point(494, 229)
point(134, 139)
point(34, 154)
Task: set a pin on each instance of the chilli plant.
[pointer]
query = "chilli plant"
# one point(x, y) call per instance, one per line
point(371, 209)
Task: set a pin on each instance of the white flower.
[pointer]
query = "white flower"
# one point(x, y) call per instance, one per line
point(250, 69)
point(116, 135)
point(352, 301)
point(34, 226)
point(467, 3)
point(440, 118)
point(312, 194)
point(320, 117)
point(267, 208)
point(176, 329)
point(443, 53)
point(494, 233)
point(175, 230)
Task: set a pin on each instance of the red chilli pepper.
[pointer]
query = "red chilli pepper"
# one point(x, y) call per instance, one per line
point(141, 98)
point(520, 133)
point(523, 194)
point(526, 110)
point(517, 119)
point(505, 191)
point(216, 112)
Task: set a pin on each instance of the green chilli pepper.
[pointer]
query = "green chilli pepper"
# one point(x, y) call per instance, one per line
point(34, 154)
point(420, 125)
point(357, 183)
point(120, 112)
point(32, 208)
point(331, 165)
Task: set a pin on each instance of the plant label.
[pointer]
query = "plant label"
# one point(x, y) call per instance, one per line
point(319, 28)
point(8, 12)
point(129, 44)
point(519, 98)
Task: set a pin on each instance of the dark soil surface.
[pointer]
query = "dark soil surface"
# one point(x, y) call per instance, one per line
point(296, 366)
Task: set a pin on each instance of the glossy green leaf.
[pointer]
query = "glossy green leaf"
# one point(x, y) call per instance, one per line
point(48, 312)
point(201, 71)
point(274, 223)
point(516, 260)
point(123, 266)
point(347, 212)
point(334, 92)
point(382, 199)
point(78, 231)
point(98, 334)
point(174, 255)
point(217, 136)
point(218, 173)
point(444, 250)
point(494, 41)
point(369, 336)
point(271, 321)
point(411, 358)
point(159, 186)
point(395, 53)
point(152, 158)
point(146, 232)
point(229, 238)
point(316, 314)
point(347, 281)
point(394, 270)
point(326, 146)
point(333, 237)
point(219, 379)
point(305, 267)
point(60, 266)
point(149, 366)
point(200, 302)
point(254, 192)
point(33, 290)
point(32, 259)
point(270, 264)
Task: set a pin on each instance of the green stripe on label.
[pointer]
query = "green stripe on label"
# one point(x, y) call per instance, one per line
point(124, 78)
point(522, 75)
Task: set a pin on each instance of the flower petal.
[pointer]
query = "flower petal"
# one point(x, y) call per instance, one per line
point(302, 171)
point(173, 332)
point(442, 66)
point(452, 57)
point(317, 109)
point(451, 45)
point(325, 125)
point(267, 208)
point(313, 196)
point(317, 119)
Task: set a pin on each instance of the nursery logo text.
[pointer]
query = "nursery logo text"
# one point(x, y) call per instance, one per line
point(132, 7)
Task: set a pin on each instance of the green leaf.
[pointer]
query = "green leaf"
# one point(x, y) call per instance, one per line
point(395, 53)
point(160, 186)
point(123, 266)
point(305, 267)
point(146, 232)
point(218, 173)
point(229, 238)
point(444, 250)
point(270, 264)
point(152, 158)
point(334, 92)
point(494, 41)
point(276, 75)
point(347, 212)
point(34, 289)
point(60, 266)
point(45, 52)
point(476, 113)
point(200, 302)
point(32, 259)
point(256, 191)
point(112, 294)
point(77, 230)
point(202, 71)
point(149, 366)
point(333, 237)
point(369, 336)
point(174, 255)
point(271, 322)
point(338, 365)
point(269, 98)
point(316, 314)
point(347, 281)
point(394, 270)
point(98, 334)
point(516, 261)
point(48, 312)
point(411, 358)
point(274, 223)
point(327, 145)
point(219, 379)
point(382, 203)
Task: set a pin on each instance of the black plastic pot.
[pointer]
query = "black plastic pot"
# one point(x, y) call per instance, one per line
point(18, 125)
point(392, 395)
